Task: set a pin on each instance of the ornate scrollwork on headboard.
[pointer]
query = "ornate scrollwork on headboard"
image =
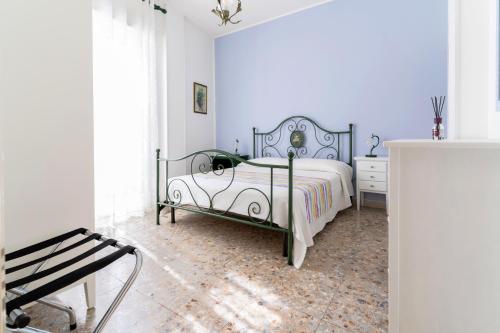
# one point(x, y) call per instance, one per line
point(304, 137)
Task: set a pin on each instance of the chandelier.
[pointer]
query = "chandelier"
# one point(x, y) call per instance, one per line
point(223, 11)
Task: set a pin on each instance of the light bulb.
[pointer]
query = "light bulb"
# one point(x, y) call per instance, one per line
point(226, 4)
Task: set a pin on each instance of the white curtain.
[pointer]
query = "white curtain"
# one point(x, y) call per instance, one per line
point(129, 105)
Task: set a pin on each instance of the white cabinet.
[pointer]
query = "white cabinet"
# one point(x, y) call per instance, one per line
point(444, 237)
point(371, 176)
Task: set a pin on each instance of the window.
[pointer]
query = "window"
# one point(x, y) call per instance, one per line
point(129, 71)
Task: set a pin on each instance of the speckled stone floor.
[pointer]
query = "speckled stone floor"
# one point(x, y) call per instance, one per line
point(208, 275)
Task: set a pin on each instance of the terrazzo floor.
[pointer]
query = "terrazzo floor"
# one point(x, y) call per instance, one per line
point(208, 275)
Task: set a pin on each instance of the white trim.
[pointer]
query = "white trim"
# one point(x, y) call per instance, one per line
point(273, 18)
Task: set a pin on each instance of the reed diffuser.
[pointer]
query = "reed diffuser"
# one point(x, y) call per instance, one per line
point(438, 129)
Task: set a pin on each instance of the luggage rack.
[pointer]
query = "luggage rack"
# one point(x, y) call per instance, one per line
point(18, 320)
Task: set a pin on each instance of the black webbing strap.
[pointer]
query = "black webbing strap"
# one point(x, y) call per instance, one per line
point(57, 268)
point(67, 279)
point(42, 245)
point(56, 253)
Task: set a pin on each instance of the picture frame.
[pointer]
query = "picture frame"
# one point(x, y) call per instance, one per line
point(200, 98)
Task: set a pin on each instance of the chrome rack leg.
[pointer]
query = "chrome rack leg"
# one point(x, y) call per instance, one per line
point(44, 301)
point(40, 265)
point(122, 293)
point(26, 330)
point(21, 291)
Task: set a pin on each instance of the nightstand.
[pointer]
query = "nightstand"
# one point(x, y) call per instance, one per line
point(225, 161)
point(371, 177)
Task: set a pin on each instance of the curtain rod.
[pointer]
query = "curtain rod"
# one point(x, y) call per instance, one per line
point(157, 7)
point(161, 9)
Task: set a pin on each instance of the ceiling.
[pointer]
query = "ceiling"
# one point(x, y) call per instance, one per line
point(254, 12)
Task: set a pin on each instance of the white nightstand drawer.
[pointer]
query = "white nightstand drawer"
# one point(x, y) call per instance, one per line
point(372, 166)
point(372, 176)
point(372, 186)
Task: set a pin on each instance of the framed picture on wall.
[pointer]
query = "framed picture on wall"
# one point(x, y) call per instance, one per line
point(200, 98)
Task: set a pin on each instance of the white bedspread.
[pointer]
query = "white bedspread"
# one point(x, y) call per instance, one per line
point(250, 199)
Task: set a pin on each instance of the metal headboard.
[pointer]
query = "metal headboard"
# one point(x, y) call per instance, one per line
point(305, 138)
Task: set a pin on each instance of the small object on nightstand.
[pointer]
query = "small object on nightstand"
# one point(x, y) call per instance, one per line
point(372, 142)
point(225, 162)
point(236, 146)
point(371, 177)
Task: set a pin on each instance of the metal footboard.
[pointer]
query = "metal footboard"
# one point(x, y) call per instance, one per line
point(206, 158)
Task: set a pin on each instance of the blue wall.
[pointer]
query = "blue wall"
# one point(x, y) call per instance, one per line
point(373, 63)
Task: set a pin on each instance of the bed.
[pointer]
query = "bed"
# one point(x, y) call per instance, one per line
point(300, 177)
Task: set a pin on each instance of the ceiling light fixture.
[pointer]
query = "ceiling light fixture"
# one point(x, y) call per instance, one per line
point(223, 11)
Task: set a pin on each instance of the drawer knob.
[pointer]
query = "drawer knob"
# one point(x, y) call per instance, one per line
point(372, 177)
point(372, 166)
point(372, 186)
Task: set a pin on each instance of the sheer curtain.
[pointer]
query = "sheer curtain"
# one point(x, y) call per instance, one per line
point(129, 105)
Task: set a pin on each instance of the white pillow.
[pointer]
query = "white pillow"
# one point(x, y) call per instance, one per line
point(317, 164)
point(312, 164)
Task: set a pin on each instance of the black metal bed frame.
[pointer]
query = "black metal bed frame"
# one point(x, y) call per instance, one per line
point(297, 129)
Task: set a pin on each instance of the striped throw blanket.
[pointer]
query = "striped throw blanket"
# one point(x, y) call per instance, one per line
point(317, 192)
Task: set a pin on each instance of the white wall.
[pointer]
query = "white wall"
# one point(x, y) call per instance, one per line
point(176, 90)
point(199, 50)
point(472, 69)
point(190, 53)
point(46, 106)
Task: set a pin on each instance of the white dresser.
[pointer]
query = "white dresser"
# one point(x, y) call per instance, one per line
point(444, 237)
point(371, 177)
